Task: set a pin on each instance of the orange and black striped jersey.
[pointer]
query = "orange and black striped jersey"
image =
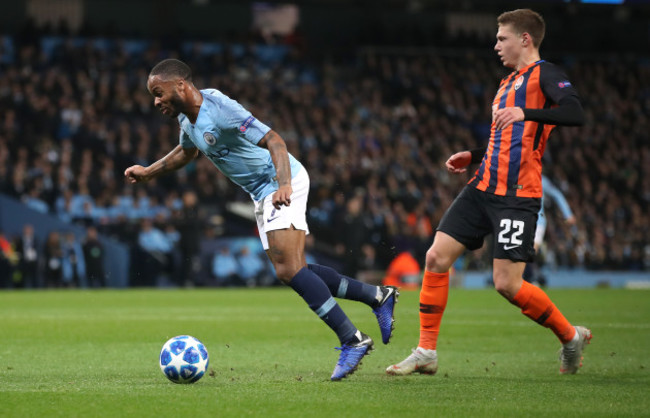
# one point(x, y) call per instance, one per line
point(512, 164)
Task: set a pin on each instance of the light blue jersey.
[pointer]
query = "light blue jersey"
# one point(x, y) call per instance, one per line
point(550, 190)
point(228, 135)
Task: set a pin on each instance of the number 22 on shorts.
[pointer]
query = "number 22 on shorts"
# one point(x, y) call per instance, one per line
point(510, 233)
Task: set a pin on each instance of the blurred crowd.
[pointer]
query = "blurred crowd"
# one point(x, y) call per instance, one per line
point(373, 132)
point(62, 260)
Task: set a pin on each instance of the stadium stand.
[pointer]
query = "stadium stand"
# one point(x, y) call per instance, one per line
point(373, 130)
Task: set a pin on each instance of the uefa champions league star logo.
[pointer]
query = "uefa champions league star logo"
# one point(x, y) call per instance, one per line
point(209, 138)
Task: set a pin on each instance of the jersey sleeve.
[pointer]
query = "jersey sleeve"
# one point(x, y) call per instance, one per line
point(555, 84)
point(240, 119)
point(567, 110)
point(185, 141)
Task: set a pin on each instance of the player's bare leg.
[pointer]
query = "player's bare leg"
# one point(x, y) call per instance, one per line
point(286, 252)
point(507, 276)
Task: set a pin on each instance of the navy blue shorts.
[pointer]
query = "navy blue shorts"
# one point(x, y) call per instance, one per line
point(512, 220)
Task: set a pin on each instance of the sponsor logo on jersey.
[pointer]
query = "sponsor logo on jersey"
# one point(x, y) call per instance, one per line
point(563, 84)
point(218, 154)
point(246, 124)
point(209, 138)
point(519, 82)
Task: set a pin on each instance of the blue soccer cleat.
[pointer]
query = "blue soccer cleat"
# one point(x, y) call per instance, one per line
point(384, 312)
point(351, 355)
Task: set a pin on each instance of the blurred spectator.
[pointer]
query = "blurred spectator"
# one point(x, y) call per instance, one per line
point(28, 249)
point(251, 267)
point(157, 250)
point(8, 260)
point(33, 201)
point(53, 256)
point(189, 226)
point(404, 271)
point(73, 266)
point(225, 268)
point(94, 258)
point(351, 230)
point(368, 259)
point(63, 205)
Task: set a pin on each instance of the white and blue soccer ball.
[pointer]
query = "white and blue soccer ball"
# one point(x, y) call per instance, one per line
point(184, 359)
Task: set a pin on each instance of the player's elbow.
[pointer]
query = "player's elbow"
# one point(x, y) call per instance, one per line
point(580, 117)
point(189, 154)
point(275, 141)
point(573, 111)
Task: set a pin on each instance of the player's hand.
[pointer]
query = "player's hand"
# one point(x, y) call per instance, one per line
point(136, 174)
point(571, 220)
point(458, 162)
point(507, 116)
point(282, 197)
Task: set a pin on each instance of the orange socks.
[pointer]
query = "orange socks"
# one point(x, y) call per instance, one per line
point(536, 305)
point(433, 300)
point(532, 300)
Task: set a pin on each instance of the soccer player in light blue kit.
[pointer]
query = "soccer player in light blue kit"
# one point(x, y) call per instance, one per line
point(255, 157)
point(549, 190)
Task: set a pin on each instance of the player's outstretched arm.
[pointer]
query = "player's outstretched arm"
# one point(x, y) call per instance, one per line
point(280, 156)
point(177, 158)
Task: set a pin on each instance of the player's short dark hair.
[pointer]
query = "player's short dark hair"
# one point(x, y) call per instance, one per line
point(525, 20)
point(172, 68)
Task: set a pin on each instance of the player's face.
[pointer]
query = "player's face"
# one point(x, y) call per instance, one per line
point(166, 96)
point(508, 46)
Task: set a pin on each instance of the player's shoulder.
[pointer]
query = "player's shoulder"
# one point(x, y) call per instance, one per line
point(213, 95)
point(544, 63)
point(550, 68)
point(215, 102)
point(554, 79)
point(219, 100)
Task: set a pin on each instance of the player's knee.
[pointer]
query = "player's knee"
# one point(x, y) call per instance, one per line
point(505, 286)
point(503, 289)
point(285, 272)
point(437, 261)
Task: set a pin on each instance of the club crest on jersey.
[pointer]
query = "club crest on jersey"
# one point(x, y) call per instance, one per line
point(246, 124)
point(519, 82)
point(209, 138)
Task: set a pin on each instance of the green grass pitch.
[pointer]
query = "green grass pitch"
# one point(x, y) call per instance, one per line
point(95, 353)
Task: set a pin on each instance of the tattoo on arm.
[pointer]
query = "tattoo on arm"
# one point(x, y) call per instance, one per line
point(177, 158)
point(280, 156)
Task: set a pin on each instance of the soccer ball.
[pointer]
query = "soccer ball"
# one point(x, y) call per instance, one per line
point(184, 359)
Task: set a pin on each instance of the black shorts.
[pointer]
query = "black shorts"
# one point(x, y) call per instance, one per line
point(475, 214)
